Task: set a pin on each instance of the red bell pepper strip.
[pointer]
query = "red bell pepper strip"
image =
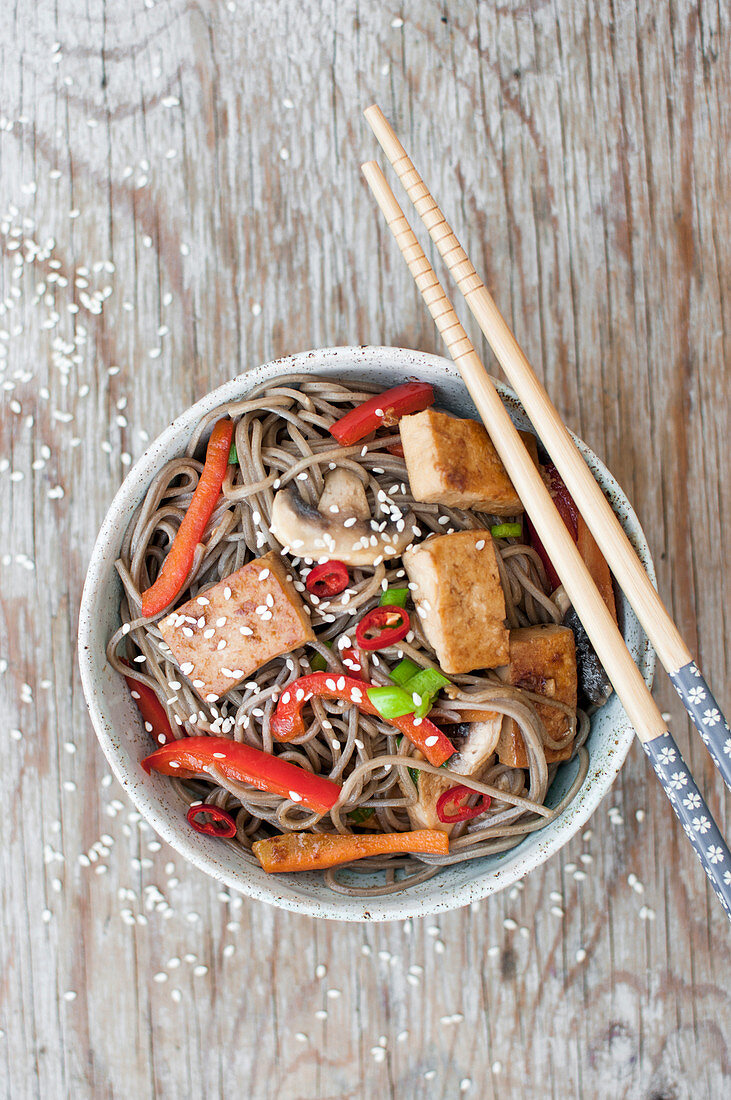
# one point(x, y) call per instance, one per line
point(582, 536)
point(177, 564)
point(153, 712)
point(569, 514)
point(351, 659)
point(317, 851)
point(391, 624)
point(382, 411)
point(287, 722)
point(190, 756)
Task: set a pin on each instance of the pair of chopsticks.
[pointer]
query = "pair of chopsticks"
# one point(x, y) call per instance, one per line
point(670, 768)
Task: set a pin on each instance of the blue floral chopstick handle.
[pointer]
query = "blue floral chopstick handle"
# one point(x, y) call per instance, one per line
point(706, 716)
point(693, 814)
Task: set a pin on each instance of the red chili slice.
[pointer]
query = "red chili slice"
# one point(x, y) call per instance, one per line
point(460, 813)
point(223, 824)
point(329, 579)
point(391, 623)
point(396, 449)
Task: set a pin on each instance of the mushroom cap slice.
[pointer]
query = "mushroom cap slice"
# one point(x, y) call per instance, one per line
point(310, 534)
point(344, 496)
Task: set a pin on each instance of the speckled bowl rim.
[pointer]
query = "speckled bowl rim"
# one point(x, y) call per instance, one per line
point(99, 682)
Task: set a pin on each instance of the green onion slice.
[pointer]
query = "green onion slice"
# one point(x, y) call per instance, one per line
point(233, 454)
point(394, 597)
point(427, 684)
point(391, 702)
point(403, 671)
point(507, 530)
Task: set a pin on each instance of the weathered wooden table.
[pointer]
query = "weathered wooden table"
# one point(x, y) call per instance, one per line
point(180, 199)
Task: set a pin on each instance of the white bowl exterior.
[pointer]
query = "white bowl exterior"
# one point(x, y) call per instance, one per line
point(125, 742)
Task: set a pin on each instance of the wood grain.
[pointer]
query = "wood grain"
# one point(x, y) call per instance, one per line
point(197, 165)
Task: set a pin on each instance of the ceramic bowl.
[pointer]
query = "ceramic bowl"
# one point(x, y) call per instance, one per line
point(125, 742)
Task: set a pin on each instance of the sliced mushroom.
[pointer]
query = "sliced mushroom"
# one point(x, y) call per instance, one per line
point(475, 749)
point(344, 496)
point(310, 534)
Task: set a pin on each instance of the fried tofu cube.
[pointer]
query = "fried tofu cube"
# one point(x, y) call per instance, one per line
point(223, 635)
point(460, 599)
point(454, 462)
point(543, 661)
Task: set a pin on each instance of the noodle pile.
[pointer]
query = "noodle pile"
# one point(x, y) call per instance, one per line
point(281, 435)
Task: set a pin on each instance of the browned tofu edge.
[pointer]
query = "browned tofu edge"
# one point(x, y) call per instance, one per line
point(530, 647)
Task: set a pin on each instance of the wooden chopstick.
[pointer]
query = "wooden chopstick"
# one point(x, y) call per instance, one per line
point(573, 573)
point(673, 652)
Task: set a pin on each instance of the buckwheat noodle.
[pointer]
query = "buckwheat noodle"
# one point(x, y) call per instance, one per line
point(281, 435)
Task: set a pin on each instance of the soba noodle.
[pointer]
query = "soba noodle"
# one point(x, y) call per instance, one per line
point(281, 435)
